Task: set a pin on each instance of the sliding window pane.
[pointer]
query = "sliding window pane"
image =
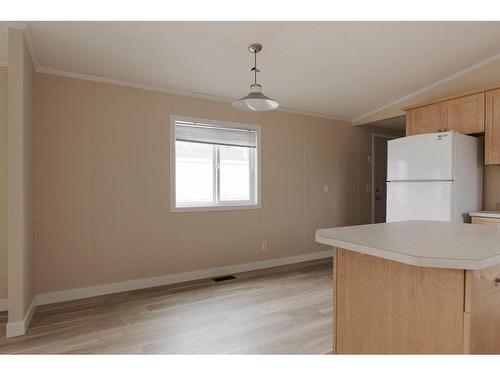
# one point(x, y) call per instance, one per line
point(194, 173)
point(234, 173)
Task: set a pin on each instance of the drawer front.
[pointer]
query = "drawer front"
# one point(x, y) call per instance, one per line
point(486, 221)
point(489, 281)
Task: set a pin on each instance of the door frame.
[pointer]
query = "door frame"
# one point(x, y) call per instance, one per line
point(376, 135)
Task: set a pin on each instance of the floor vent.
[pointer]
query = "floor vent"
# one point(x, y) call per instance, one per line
point(223, 278)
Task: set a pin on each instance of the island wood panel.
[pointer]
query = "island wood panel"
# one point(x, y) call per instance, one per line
point(389, 307)
point(334, 290)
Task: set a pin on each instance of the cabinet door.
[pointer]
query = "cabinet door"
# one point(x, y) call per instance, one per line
point(492, 128)
point(466, 114)
point(481, 318)
point(428, 119)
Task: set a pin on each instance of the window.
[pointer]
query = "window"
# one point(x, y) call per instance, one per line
point(214, 165)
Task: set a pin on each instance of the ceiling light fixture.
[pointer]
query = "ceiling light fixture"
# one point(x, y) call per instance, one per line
point(256, 100)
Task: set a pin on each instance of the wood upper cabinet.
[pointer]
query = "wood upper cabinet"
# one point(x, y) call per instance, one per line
point(428, 119)
point(492, 128)
point(476, 113)
point(466, 114)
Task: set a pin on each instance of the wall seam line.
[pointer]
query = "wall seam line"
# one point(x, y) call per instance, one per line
point(171, 216)
point(358, 161)
point(304, 178)
point(92, 181)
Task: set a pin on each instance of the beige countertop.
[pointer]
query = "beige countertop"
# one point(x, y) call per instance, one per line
point(436, 244)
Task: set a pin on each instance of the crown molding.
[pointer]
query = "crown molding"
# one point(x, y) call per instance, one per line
point(18, 25)
point(30, 42)
point(430, 87)
point(191, 94)
point(118, 82)
point(315, 114)
point(28, 37)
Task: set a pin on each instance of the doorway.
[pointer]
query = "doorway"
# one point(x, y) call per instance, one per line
point(379, 176)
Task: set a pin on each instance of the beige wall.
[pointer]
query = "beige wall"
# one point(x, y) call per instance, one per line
point(3, 182)
point(365, 168)
point(20, 124)
point(102, 186)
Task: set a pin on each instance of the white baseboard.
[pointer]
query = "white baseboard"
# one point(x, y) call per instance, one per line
point(19, 328)
point(99, 290)
point(3, 304)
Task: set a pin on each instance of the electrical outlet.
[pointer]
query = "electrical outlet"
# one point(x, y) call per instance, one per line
point(264, 246)
point(325, 188)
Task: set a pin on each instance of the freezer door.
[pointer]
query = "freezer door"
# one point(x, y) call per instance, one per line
point(420, 157)
point(430, 200)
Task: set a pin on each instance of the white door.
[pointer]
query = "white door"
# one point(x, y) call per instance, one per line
point(429, 200)
point(379, 178)
point(420, 157)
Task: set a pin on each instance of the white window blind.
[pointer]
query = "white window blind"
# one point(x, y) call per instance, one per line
point(202, 133)
point(214, 165)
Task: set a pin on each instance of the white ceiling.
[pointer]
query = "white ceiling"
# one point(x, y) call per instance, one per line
point(338, 69)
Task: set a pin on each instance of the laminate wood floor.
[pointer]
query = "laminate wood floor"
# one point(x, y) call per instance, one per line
point(280, 310)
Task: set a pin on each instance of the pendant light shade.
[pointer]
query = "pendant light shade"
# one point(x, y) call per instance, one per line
point(255, 101)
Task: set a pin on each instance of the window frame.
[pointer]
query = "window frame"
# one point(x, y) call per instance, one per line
point(221, 206)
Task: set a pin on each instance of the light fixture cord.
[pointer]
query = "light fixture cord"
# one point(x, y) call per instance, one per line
point(255, 67)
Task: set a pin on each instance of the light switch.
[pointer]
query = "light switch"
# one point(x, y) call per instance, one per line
point(325, 188)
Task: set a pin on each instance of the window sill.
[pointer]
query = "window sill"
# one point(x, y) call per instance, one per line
point(215, 208)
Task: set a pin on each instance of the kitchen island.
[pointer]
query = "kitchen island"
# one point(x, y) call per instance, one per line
point(415, 287)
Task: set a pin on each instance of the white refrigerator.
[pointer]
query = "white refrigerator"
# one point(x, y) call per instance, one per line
point(435, 176)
